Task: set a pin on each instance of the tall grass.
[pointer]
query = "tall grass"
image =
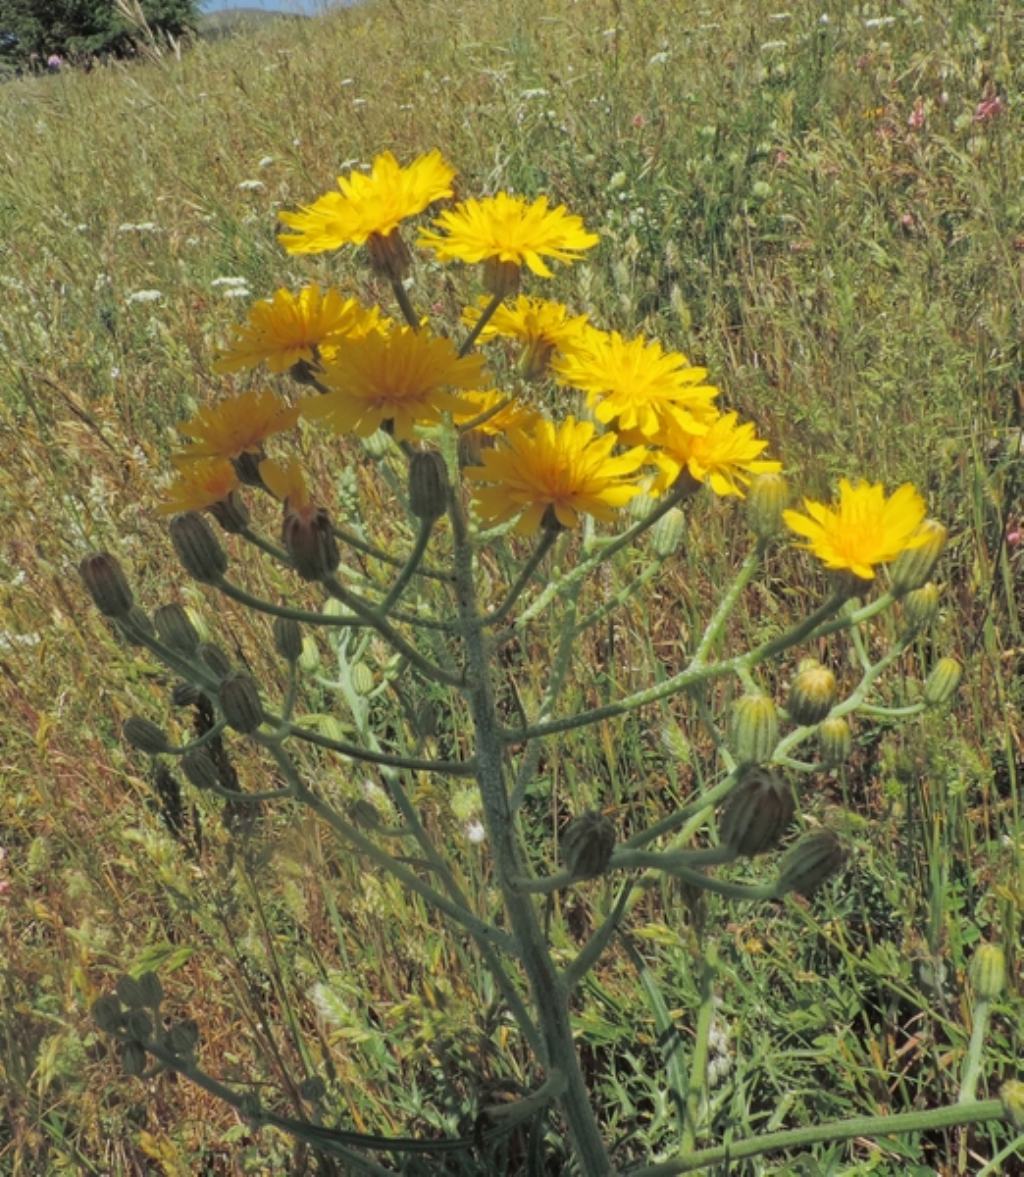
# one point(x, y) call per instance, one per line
point(855, 284)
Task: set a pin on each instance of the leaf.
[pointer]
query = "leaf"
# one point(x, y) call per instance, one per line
point(161, 958)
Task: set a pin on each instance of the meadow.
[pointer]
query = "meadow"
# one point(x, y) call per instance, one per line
point(825, 207)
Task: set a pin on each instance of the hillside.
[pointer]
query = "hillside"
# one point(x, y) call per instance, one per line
point(230, 22)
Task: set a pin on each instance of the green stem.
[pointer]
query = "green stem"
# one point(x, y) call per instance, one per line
point(590, 953)
point(972, 1063)
point(414, 764)
point(624, 859)
point(874, 1127)
point(404, 303)
point(522, 580)
point(480, 324)
point(375, 553)
point(409, 570)
point(696, 1088)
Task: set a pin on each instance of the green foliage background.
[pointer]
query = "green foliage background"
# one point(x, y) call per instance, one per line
point(87, 26)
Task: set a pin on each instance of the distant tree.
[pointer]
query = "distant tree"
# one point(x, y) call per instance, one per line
point(86, 27)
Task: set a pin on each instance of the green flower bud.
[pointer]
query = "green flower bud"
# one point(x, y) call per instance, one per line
point(135, 626)
point(215, 659)
point(231, 513)
point(106, 1013)
point(767, 498)
point(145, 735)
point(756, 813)
point(835, 740)
point(754, 729)
point(138, 1024)
point(362, 679)
point(107, 584)
point(812, 693)
point(288, 638)
point(587, 845)
point(199, 768)
point(309, 658)
point(807, 864)
point(198, 548)
point(309, 540)
point(313, 1088)
point(667, 533)
point(913, 566)
point(175, 629)
point(943, 681)
point(184, 694)
point(640, 506)
point(184, 1038)
point(377, 445)
point(428, 485)
point(920, 606)
point(988, 972)
point(1012, 1095)
point(129, 992)
point(239, 700)
point(133, 1058)
point(151, 989)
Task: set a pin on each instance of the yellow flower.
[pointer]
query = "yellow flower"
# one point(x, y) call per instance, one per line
point(236, 426)
point(397, 376)
point(368, 205)
point(726, 457)
point(554, 473)
point(866, 529)
point(198, 485)
point(286, 482)
point(543, 327)
point(505, 228)
point(288, 328)
point(637, 384)
point(512, 415)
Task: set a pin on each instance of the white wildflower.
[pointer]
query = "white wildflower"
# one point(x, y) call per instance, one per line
point(145, 296)
point(251, 186)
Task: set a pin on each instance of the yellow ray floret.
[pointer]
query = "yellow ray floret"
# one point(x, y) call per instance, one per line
point(865, 529)
point(287, 328)
point(530, 320)
point(506, 228)
point(286, 482)
point(559, 471)
point(236, 426)
point(400, 376)
point(198, 485)
point(635, 383)
point(368, 204)
point(726, 457)
point(507, 412)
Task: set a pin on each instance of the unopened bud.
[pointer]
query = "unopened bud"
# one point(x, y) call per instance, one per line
point(805, 866)
point(920, 606)
point(754, 728)
point(145, 735)
point(215, 659)
point(138, 1024)
point(184, 1038)
point(667, 533)
point(587, 845)
point(107, 584)
point(133, 1058)
point(309, 659)
point(175, 629)
point(988, 972)
point(309, 539)
point(913, 566)
point(184, 694)
point(199, 768)
point(198, 548)
point(943, 681)
point(362, 679)
point(135, 626)
point(129, 992)
point(428, 485)
point(106, 1013)
point(239, 700)
point(767, 497)
point(756, 813)
point(288, 638)
point(1012, 1095)
point(151, 989)
point(835, 740)
point(811, 694)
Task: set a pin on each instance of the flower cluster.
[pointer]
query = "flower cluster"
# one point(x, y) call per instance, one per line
point(636, 419)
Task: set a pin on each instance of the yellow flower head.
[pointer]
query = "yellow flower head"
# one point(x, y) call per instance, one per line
point(368, 205)
point(236, 426)
point(398, 376)
point(726, 457)
point(559, 471)
point(864, 530)
point(286, 482)
point(199, 485)
point(636, 384)
point(512, 414)
point(543, 327)
point(289, 327)
point(505, 228)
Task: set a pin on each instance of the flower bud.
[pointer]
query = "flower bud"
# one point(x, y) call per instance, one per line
point(138, 1024)
point(151, 989)
point(988, 972)
point(767, 498)
point(133, 1058)
point(239, 699)
point(377, 446)
point(184, 694)
point(835, 740)
point(1012, 1095)
point(309, 659)
point(175, 629)
point(667, 533)
point(811, 693)
point(135, 626)
point(943, 681)
point(913, 566)
point(587, 845)
point(288, 638)
point(199, 768)
point(129, 992)
point(754, 728)
point(756, 813)
point(107, 584)
point(428, 485)
point(145, 735)
point(309, 539)
point(920, 606)
point(184, 1038)
point(198, 548)
point(806, 865)
point(215, 659)
point(362, 679)
point(106, 1013)
point(231, 513)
